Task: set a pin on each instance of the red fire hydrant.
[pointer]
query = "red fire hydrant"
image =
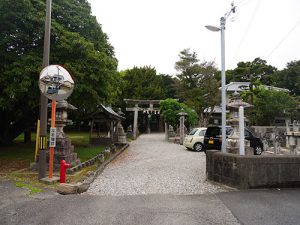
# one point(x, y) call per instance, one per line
point(63, 168)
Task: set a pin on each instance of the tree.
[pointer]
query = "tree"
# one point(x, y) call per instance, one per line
point(289, 77)
point(169, 86)
point(268, 104)
point(170, 108)
point(252, 71)
point(77, 43)
point(255, 72)
point(142, 83)
point(198, 86)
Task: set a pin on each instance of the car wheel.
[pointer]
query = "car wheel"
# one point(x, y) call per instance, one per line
point(258, 150)
point(198, 147)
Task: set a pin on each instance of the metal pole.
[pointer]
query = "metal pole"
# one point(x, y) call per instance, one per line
point(222, 27)
point(43, 99)
point(51, 149)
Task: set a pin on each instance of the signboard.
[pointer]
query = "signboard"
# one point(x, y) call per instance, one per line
point(52, 141)
point(56, 83)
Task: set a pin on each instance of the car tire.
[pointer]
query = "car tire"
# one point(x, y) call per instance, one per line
point(258, 150)
point(198, 147)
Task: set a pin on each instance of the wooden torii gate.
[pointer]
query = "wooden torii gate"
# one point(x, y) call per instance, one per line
point(136, 110)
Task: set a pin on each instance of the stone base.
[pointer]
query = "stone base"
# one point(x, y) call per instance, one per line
point(64, 150)
point(66, 189)
point(236, 150)
point(47, 180)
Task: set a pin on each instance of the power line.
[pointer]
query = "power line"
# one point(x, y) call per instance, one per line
point(283, 39)
point(247, 27)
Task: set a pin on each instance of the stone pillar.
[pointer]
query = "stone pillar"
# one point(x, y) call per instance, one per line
point(135, 121)
point(181, 128)
point(242, 130)
point(166, 132)
point(148, 123)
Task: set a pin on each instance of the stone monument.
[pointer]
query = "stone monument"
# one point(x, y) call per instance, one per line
point(64, 149)
point(233, 141)
point(182, 115)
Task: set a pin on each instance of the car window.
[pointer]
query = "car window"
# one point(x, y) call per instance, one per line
point(193, 131)
point(247, 133)
point(213, 131)
point(202, 132)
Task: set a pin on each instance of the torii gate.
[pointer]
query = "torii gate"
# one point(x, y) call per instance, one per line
point(136, 110)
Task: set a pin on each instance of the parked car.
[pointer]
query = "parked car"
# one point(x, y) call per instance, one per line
point(195, 139)
point(213, 139)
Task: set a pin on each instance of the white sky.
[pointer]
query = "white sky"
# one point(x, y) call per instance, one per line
point(153, 32)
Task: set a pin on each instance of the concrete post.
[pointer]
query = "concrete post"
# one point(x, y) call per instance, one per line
point(135, 121)
point(242, 130)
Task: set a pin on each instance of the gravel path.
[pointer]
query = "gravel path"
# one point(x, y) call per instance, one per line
point(153, 166)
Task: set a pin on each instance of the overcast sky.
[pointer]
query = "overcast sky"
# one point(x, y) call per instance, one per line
point(153, 32)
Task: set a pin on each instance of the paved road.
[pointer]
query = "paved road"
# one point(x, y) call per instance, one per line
point(104, 204)
point(152, 165)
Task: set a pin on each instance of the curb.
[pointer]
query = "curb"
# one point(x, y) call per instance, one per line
point(69, 188)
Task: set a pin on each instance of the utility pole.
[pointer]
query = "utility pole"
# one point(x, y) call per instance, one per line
point(44, 99)
point(223, 76)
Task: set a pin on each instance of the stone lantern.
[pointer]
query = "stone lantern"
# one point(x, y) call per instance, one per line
point(182, 116)
point(233, 138)
point(64, 149)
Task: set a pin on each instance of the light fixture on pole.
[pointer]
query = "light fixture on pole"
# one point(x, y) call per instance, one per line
point(223, 77)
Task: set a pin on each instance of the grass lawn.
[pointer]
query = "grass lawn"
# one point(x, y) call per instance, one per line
point(20, 155)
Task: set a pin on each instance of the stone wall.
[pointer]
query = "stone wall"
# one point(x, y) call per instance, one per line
point(245, 172)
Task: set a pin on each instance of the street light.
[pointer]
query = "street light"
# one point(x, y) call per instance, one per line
point(223, 78)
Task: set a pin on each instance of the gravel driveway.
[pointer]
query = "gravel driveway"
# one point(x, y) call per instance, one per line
point(152, 165)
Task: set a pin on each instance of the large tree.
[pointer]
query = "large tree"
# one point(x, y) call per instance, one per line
point(258, 69)
point(142, 83)
point(269, 104)
point(170, 108)
point(255, 72)
point(77, 42)
point(289, 77)
point(198, 86)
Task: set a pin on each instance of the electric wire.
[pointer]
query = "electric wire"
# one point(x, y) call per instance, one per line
point(248, 28)
point(283, 39)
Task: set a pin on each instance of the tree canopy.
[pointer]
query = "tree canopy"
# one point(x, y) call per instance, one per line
point(169, 111)
point(268, 104)
point(289, 77)
point(77, 43)
point(198, 86)
point(142, 83)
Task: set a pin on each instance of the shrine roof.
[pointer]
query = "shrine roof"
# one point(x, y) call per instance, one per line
point(108, 111)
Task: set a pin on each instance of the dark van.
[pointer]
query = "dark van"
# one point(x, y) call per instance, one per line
point(213, 139)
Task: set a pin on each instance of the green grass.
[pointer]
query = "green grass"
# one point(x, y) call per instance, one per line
point(32, 190)
point(87, 153)
point(19, 155)
point(18, 151)
point(79, 138)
